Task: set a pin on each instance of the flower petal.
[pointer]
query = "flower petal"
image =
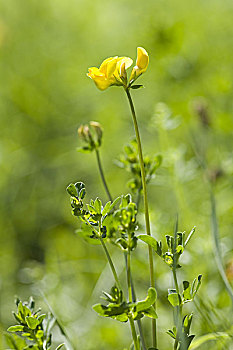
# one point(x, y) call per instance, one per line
point(93, 72)
point(102, 83)
point(127, 60)
point(104, 64)
point(111, 67)
point(142, 59)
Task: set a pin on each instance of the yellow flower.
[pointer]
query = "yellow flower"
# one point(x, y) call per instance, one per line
point(141, 63)
point(109, 73)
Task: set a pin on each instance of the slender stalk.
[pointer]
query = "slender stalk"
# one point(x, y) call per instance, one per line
point(175, 280)
point(111, 263)
point(131, 321)
point(107, 255)
point(130, 297)
point(217, 249)
point(178, 309)
point(126, 265)
point(134, 334)
point(138, 197)
point(214, 222)
point(102, 174)
point(178, 320)
point(57, 321)
point(146, 208)
point(134, 298)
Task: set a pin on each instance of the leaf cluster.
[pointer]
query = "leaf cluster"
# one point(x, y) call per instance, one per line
point(125, 221)
point(175, 247)
point(183, 337)
point(115, 220)
point(188, 293)
point(33, 329)
point(129, 161)
point(120, 310)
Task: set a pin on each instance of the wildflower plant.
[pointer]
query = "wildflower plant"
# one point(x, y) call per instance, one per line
point(115, 222)
point(33, 329)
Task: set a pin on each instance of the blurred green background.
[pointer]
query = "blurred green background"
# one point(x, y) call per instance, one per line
point(46, 48)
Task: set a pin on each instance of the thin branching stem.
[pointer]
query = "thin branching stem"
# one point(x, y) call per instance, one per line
point(215, 227)
point(130, 296)
point(111, 264)
point(134, 298)
point(131, 321)
point(217, 249)
point(178, 309)
point(132, 326)
point(146, 208)
point(126, 265)
point(102, 174)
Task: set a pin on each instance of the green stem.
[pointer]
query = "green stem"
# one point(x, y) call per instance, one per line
point(128, 277)
point(102, 174)
point(134, 298)
point(179, 311)
point(107, 255)
point(131, 281)
point(146, 208)
point(218, 253)
point(175, 280)
point(134, 335)
point(110, 263)
point(132, 326)
point(138, 198)
point(130, 297)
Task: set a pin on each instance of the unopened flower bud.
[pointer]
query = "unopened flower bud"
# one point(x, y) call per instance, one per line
point(141, 63)
point(81, 133)
point(91, 134)
point(123, 74)
point(97, 128)
point(85, 134)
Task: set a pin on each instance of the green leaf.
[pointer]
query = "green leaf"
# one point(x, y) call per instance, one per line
point(60, 346)
point(98, 205)
point(15, 328)
point(17, 317)
point(150, 299)
point(32, 322)
point(117, 200)
point(187, 290)
point(15, 342)
point(82, 193)
point(41, 318)
point(86, 233)
point(190, 236)
point(71, 189)
point(199, 278)
point(84, 149)
point(122, 318)
point(168, 258)
point(112, 310)
point(23, 310)
point(179, 249)
point(151, 241)
point(99, 309)
point(79, 186)
point(187, 323)
point(171, 333)
point(134, 87)
point(106, 208)
point(150, 312)
point(173, 297)
point(206, 338)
